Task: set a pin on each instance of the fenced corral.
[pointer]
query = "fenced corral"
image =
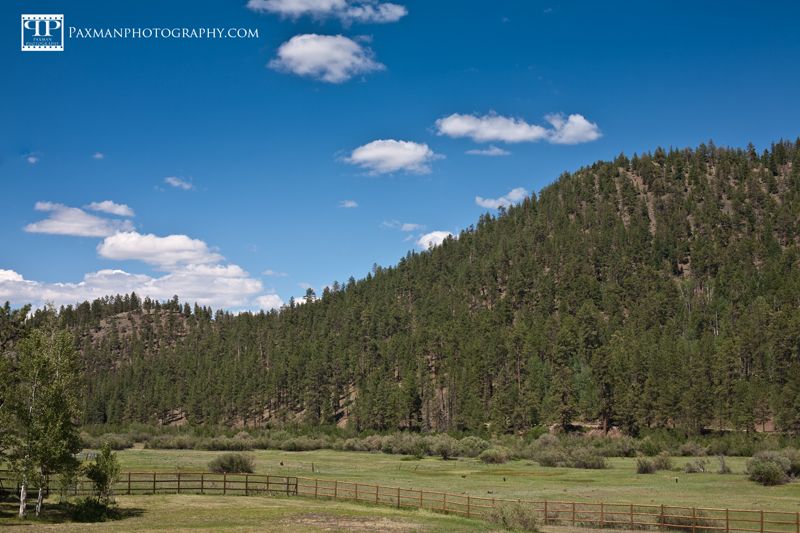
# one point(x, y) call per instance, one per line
point(568, 513)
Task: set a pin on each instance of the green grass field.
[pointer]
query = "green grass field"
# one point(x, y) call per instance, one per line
point(516, 479)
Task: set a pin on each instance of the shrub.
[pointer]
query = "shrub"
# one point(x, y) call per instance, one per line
point(650, 447)
point(91, 509)
point(472, 446)
point(354, 445)
point(662, 461)
point(103, 473)
point(793, 456)
point(172, 442)
point(645, 466)
point(586, 458)
point(226, 444)
point(232, 463)
point(723, 465)
point(551, 457)
point(494, 455)
point(692, 449)
point(444, 446)
point(513, 516)
point(768, 468)
point(695, 467)
point(115, 440)
point(303, 444)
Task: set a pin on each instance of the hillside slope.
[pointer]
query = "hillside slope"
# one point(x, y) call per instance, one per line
point(662, 290)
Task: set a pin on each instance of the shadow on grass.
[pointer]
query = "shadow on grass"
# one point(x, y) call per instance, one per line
point(62, 512)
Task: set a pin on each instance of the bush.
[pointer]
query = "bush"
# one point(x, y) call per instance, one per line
point(494, 455)
point(586, 458)
point(225, 444)
point(768, 468)
point(645, 466)
point(695, 467)
point(692, 449)
point(472, 446)
point(663, 461)
point(103, 473)
point(650, 447)
point(793, 456)
point(444, 446)
point(232, 463)
point(91, 509)
point(552, 457)
point(115, 440)
point(513, 516)
point(172, 442)
point(723, 465)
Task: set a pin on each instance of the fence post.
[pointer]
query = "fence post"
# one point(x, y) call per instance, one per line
point(356, 491)
point(444, 502)
point(267, 482)
point(467, 505)
point(202, 483)
point(398, 497)
point(316, 488)
point(631, 515)
point(247, 485)
point(661, 516)
point(154, 482)
point(573, 514)
point(602, 514)
point(225, 483)
point(727, 520)
point(335, 489)
point(694, 519)
point(179, 482)
point(377, 492)
point(762, 521)
point(421, 502)
point(797, 521)
point(545, 512)
point(129, 483)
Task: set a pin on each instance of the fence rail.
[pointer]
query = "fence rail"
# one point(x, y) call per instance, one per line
point(571, 513)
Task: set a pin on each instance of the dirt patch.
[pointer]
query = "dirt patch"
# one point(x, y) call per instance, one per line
point(326, 522)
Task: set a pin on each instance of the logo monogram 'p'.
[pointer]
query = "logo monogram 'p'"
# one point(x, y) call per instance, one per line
point(35, 25)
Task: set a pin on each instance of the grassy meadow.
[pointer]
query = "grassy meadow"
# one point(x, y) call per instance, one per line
point(515, 479)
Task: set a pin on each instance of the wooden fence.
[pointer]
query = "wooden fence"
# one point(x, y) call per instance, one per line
point(570, 513)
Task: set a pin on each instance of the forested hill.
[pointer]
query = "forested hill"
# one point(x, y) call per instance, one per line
point(662, 290)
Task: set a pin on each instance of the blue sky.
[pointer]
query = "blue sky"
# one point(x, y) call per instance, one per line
point(406, 111)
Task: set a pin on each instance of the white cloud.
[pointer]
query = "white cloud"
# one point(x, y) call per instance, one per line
point(162, 252)
point(329, 58)
point(348, 204)
point(432, 239)
point(65, 220)
point(269, 302)
point(572, 130)
point(492, 151)
point(98, 155)
point(386, 156)
point(274, 273)
point(305, 285)
point(32, 159)
point(492, 127)
point(402, 226)
point(346, 10)
point(216, 286)
point(179, 183)
point(514, 196)
point(107, 206)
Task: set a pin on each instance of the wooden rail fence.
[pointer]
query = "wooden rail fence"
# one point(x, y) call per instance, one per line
point(571, 513)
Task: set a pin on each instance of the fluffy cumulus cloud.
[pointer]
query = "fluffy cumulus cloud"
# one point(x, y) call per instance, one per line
point(179, 183)
point(328, 58)
point(98, 155)
point(348, 204)
point(217, 286)
point(107, 206)
point(387, 156)
point(432, 239)
point(268, 302)
point(270, 272)
point(573, 129)
point(348, 11)
point(162, 252)
point(514, 196)
point(65, 220)
point(492, 151)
